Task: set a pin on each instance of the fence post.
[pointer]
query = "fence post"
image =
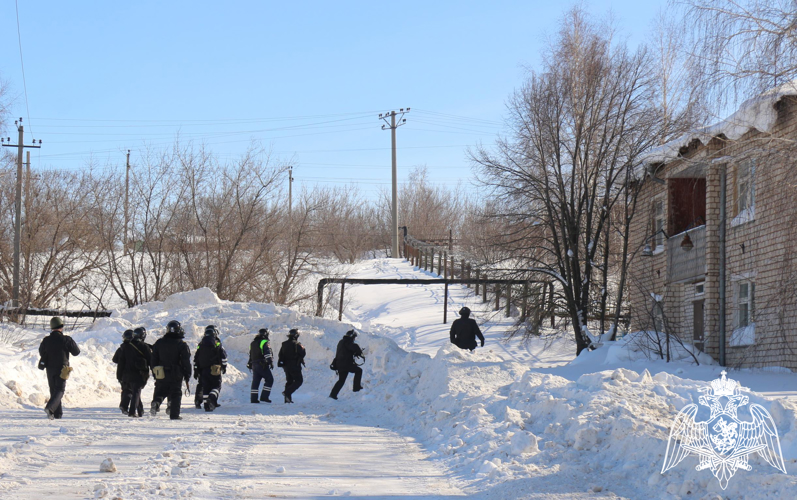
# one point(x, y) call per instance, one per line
point(498, 296)
point(525, 301)
point(445, 265)
point(484, 290)
point(508, 298)
point(431, 262)
point(340, 308)
point(450, 240)
point(462, 268)
point(477, 284)
point(453, 271)
point(320, 297)
point(445, 304)
point(440, 264)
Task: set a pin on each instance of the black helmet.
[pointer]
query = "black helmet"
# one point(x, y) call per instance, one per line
point(56, 323)
point(174, 326)
point(140, 333)
point(464, 312)
point(211, 330)
point(263, 332)
point(127, 335)
point(352, 334)
point(293, 333)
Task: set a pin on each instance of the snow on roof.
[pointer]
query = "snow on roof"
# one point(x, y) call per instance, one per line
point(756, 113)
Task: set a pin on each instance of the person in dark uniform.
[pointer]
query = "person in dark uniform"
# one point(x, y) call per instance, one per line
point(211, 361)
point(344, 363)
point(127, 336)
point(464, 331)
point(261, 362)
point(291, 359)
point(171, 363)
point(54, 352)
point(135, 361)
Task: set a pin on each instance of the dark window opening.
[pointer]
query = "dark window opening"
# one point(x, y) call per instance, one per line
point(687, 203)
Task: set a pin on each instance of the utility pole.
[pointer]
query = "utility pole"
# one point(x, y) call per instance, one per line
point(290, 209)
point(127, 194)
point(393, 124)
point(18, 205)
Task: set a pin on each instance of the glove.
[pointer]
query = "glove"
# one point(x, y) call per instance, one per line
point(249, 365)
point(196, 375)
point(270, 365)
point(223, 368)
point(482, 343)
point(42, 366)
point(279, 363)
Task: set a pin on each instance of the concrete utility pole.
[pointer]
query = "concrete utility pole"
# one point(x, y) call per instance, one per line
point(393, 124)
point(127, 194)
point(290, 209)
point(18, 205)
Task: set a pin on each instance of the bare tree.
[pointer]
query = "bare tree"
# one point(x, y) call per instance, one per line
point(579, 125)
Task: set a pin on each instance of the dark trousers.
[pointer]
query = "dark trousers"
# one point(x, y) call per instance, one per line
point(57, 389)
point(172, 389)
point(136, 406)
point(127, 395)
point(211, 387)
point(261, 372)
point(198, 394)
point(293, 379)
point(343, 374)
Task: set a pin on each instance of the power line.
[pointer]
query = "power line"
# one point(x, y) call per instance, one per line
point(22, 63)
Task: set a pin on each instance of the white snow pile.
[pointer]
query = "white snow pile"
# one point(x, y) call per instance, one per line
point(503, 429)
point(757, 113)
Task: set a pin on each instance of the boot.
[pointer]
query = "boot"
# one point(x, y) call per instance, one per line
point(333, 397)
point(154, 407)
point(287, 398)
point(264, 397)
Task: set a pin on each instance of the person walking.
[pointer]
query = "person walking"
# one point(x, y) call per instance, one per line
point(127, 336)
point(136, 362)
point(464, 331)
point(211, 361)
point(345, 363)
point(171, 363)
point(261, 362)
point(54, 352)
point(291, 359)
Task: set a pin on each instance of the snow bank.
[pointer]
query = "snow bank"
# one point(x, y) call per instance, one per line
point(501, 427)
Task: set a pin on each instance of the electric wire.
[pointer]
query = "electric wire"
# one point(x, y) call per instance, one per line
point(22, 63)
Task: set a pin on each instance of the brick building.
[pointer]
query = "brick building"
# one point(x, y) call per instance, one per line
point(685, 247)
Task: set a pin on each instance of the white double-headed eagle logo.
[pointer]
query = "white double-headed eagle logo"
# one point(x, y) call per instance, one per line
point(723, 442)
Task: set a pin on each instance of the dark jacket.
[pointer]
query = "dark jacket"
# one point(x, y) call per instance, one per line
point(210, 352)
point(172, 353)
point(135, 361)
point(55, 349)
point(260, 352)
point(116, 357)
point(346, 352)
point(291, 354)
point(464, 332)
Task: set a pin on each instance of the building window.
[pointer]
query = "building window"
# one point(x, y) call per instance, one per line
point(745, 291)
point(700, 288)
point(658, 223)
point(745, 188)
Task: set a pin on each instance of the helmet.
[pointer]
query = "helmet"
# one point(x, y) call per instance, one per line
point(464, 312)
point(263, 332)
point(352, 334)
point(56, 323)
point(140, 333)
point(127, 335)
point(293, 333)
point(211, 330)
point(174, 327)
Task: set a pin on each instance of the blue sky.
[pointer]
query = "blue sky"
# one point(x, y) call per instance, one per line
point(304, 79)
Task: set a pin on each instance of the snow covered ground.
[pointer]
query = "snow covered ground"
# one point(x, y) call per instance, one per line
point(508, 421)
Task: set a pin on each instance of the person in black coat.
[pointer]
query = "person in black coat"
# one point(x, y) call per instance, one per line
point(127, 336)
point(135, 361)
point(54, 352)
point(464, 331)
point(171, 354)
point(261, 362)
point(210, 360)
point(344, 363)
point(291, 359)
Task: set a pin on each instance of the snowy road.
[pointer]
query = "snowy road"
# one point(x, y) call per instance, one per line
point(231, 453)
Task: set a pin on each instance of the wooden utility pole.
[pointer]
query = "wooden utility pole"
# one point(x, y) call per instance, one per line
point(127, 195)
point(393, 124)
point(20, 145)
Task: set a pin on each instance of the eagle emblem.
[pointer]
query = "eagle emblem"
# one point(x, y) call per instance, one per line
point(723, 442)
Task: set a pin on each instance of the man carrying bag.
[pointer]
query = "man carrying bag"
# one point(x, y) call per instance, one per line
point(54, 352)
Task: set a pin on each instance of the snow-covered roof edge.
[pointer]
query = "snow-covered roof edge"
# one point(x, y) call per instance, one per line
point(756, 113)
